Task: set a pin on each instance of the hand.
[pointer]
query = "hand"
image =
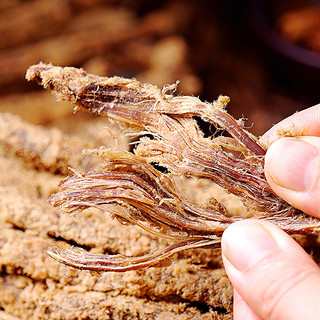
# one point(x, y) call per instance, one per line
point(272, 276)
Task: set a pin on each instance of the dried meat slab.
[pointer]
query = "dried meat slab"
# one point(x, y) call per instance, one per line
point(171, 139)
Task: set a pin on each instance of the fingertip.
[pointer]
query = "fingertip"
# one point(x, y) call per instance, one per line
point(282, 274)
point(292, 168)
point(292, 163)
point(246, 242)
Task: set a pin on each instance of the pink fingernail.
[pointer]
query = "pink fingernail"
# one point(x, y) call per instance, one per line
point(292, 163)
point(244, 244)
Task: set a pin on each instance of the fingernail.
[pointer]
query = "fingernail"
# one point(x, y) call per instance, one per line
point(246, 243)
point(291, 163)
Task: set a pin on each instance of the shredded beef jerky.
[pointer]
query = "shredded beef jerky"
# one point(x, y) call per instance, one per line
point(145, 195)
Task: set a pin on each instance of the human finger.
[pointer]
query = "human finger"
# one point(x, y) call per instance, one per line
point(271, 272)
point(292, 168)
point(305, 122)
point(241, 310)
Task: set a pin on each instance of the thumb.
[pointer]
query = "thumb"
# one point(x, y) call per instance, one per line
point(273, 275)
point(292, 168)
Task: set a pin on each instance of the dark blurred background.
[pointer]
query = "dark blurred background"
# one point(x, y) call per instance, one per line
point(248, 50)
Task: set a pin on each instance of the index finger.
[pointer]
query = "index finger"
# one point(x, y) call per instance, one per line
point(303, 123)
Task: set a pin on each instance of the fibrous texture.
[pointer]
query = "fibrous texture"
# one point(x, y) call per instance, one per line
point(169, 137)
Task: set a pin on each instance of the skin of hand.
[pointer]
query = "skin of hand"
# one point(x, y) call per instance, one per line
point(272, 276)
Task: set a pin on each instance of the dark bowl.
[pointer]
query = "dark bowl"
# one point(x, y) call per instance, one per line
point(294, 60)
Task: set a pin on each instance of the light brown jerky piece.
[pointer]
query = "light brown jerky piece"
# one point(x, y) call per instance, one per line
point(148, 197)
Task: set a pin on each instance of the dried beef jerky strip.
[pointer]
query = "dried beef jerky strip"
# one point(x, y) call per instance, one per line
point(149, 198)
point(181, 146)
